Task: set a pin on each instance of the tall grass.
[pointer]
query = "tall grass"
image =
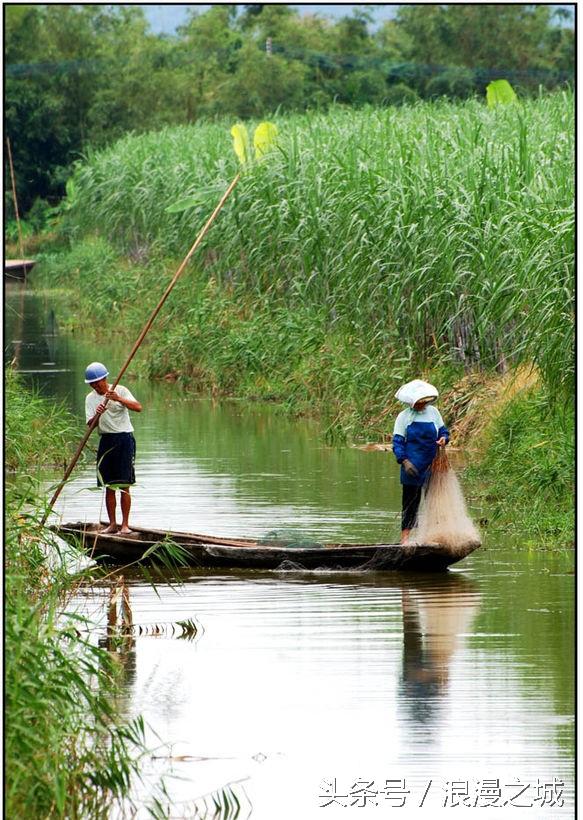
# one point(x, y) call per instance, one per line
point(442, 230)
point(527, 474)
point(31, 419)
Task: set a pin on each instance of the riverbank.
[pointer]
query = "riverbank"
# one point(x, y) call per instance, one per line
point(67, 751)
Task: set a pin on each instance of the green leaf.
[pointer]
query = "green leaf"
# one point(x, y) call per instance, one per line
point(200, 199)
point(264, 138)
point(499, 92)
point(240, 142)
point(184, 204)
point(60, 791)
point(70, 188)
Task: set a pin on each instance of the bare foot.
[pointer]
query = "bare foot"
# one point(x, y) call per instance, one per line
point(111, 529)
point(126, 531)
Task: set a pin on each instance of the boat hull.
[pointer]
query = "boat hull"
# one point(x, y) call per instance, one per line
point(18, 268)
point(240, 553)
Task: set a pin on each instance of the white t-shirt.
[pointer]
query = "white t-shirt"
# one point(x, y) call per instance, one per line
point(116, 418)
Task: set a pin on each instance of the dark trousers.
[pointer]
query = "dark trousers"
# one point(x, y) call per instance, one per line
point(411, 499)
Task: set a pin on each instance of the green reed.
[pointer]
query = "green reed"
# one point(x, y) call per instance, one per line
point(529, 445)
point(30, 419)
point(447, 227)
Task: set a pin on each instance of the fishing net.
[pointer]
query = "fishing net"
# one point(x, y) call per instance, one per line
point(290, 566)
point(288, 538)
point(443, 517)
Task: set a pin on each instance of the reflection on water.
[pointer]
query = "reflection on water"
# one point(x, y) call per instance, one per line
point(433, 622)
point(297, 679)
point(32, 341)
point(293, 681)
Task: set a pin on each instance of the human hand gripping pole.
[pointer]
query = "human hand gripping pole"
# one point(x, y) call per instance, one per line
point(263, 139)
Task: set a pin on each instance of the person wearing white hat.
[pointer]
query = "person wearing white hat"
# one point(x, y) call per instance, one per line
point(117, 446)
point(419, 430)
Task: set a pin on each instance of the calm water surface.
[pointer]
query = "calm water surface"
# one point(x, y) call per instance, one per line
point(309, 693)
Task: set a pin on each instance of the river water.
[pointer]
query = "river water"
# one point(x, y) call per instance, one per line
point(317, 696)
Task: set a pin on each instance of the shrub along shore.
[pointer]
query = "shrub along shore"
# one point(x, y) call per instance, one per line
point(371, 247)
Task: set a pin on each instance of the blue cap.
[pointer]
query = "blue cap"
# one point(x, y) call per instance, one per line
point(95, 371)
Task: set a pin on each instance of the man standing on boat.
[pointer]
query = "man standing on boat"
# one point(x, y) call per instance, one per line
point(419, 431)
point(117, 446)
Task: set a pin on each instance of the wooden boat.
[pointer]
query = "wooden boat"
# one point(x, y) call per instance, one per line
point(245, 553)
point(18, 268)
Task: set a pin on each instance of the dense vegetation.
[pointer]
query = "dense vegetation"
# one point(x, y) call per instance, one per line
point(79, 75)
point(439, 232)
point(527, 470)
point(374, 245)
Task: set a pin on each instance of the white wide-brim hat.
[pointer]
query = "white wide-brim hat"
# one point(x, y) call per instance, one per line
point(414, 391)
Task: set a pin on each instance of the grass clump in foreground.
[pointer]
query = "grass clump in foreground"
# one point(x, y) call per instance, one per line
point(67, 754)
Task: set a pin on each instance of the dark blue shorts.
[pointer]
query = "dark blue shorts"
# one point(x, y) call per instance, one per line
point(116, 455)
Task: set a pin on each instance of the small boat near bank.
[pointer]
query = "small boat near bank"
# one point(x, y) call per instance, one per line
point(208, 551)
point(18, 268)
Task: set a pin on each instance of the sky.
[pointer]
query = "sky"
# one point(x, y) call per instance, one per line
point(165, 18)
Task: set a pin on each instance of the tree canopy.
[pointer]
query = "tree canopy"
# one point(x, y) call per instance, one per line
point(80, 76)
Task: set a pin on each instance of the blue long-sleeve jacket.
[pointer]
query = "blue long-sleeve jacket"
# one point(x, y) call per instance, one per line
point(415, 438)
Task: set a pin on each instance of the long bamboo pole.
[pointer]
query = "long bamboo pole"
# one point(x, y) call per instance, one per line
point(139, 341)
point(13, 181)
